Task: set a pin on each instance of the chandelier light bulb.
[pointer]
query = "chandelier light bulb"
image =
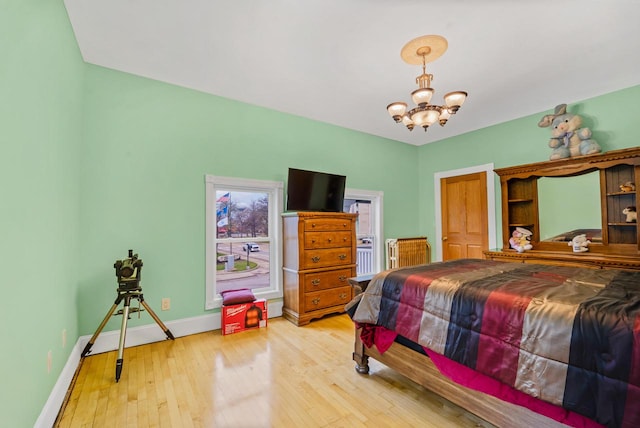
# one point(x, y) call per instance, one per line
point(454, 100)
point(432, 117)
point(444, 116)
point(397, 110)
point(420, 118)
point(406, 121)
point(425, 118)
point(422, 96)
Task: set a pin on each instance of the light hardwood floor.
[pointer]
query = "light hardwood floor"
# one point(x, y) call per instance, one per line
point(279, 376)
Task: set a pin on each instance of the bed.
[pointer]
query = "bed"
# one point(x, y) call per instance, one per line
point(517, 344)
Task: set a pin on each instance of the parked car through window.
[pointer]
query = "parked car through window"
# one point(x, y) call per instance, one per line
point(253, 247)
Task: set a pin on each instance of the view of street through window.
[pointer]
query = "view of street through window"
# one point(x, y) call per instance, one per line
point(242, 240)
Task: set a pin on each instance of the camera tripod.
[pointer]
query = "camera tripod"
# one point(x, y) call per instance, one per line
point(128, 273)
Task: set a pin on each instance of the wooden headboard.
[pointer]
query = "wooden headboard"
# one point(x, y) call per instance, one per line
point(619, 246)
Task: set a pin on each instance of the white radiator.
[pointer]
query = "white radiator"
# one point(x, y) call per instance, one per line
point(364, 261)
point(407, 252)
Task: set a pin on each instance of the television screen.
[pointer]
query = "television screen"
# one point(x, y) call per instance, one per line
point(314, 191)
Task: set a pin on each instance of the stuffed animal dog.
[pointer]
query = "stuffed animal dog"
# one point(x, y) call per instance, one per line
point(632, 215)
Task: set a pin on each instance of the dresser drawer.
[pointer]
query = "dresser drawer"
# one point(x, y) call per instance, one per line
point(325, 280)
point(327, 298)
point(312, 259)
point(327, 239)
point(326, 224)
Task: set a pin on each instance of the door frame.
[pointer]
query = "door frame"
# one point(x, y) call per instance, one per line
point(491, 202)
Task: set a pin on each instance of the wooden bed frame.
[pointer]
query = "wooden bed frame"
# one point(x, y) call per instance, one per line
point(420, 369)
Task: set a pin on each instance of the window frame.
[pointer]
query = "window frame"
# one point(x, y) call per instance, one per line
point(376, 198)
point(274, 190)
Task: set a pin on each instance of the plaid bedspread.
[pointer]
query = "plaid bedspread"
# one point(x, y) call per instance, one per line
point(569, 336)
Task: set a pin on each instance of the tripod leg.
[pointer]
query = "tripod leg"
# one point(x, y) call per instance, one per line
point(87, 348)
point(123, 334)
point(156, 319)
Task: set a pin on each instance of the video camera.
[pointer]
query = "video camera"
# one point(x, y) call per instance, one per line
point(128, 272)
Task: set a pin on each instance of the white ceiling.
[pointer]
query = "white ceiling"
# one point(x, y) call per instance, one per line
point(338, 61)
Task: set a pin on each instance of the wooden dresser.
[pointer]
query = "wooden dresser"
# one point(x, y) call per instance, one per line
point(319, 258)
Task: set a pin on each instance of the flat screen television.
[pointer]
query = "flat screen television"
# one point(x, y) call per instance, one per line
point(315, 191)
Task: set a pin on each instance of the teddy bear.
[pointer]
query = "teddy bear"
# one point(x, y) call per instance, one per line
point(632, 215)
point(580, 243)
point(568, 139)
point(520, 239)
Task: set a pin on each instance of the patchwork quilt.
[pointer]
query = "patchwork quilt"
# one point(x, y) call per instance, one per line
point(566, 335)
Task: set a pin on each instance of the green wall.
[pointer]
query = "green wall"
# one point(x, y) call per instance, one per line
point(611, 117)
point(147, 147)
point(41, 76)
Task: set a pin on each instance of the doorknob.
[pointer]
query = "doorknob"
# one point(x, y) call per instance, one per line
point(444, 238)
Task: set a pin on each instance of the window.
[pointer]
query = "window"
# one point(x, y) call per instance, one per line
point(368, 205)
point(243, 237)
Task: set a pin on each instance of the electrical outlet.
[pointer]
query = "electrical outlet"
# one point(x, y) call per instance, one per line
point(64, 338)
point(166, 304)
point(49, 361)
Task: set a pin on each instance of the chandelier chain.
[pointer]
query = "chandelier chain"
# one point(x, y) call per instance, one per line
point(424, 77)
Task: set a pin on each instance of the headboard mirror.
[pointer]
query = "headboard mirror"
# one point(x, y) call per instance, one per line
point(569, 206)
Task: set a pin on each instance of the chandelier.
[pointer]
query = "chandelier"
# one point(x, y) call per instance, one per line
point(421, 51)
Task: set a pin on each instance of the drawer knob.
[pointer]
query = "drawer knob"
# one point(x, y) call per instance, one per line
point(343, 296)
point(315, 259)
point(316, 301)
point(342, 256)
point(315, 281)
point(344, 224)
point(344, 239)
point(330, 239)
point(313, 241)
point(342, 278)
point(313, 225)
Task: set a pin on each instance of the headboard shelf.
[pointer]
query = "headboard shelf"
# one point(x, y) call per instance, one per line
point(568, 258)
point(572, 166)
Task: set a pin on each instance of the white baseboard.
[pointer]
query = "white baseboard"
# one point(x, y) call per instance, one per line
point(51, 408)
point(108, 341)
